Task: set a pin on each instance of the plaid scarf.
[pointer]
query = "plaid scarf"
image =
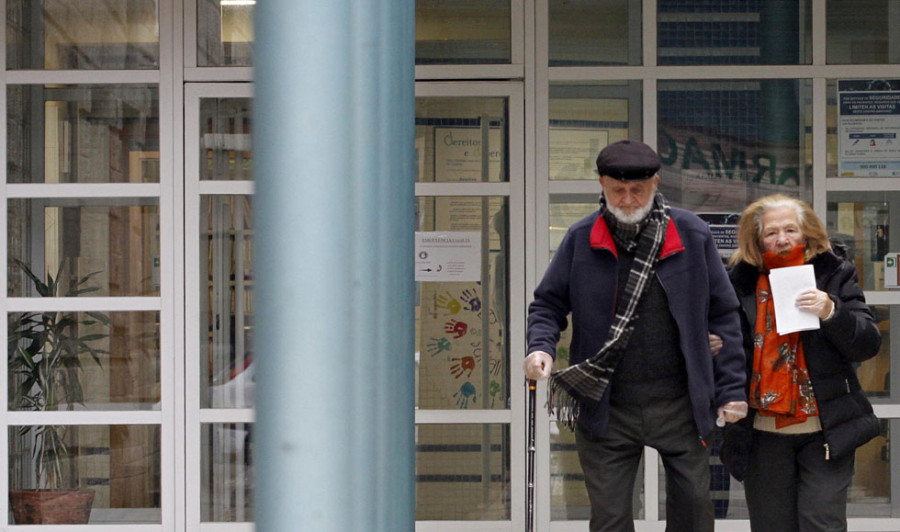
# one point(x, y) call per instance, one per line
point(585, 383)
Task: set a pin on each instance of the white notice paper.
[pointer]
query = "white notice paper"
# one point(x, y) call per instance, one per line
point(448, 256)
point(787, 283)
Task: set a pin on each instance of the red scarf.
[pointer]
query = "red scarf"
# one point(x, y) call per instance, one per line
point(780, 384)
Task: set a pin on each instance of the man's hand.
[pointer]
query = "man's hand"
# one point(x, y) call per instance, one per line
point(537, 365)
point(715, 344)
point(731, 412)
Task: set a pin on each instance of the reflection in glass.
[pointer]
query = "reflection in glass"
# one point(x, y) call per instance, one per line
point(116, 241)
point(87, 134)
point(462, 32)
point(861, 32)
point(870, 490)
point(226, 299)
point(862, 223)
point(450, 137)
point(725, 143)
point(115, 362)
point(462, 327)
point(120, 463)
point(462, 472)
point(227, 472)
point(875, 374)
point(594, 33)
point(82, 34)
point(723, 32)
point(226, 151)
point(584, 118)
point(224, 33)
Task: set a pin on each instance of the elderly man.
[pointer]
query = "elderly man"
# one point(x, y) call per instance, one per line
point(645, 288)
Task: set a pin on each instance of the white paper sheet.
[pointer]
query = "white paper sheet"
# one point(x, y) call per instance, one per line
point(787, 283)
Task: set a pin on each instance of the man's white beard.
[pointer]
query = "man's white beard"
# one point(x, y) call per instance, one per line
point(635, 216)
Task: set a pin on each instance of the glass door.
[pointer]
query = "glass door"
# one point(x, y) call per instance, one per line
point(469, 304)
point(219, 307)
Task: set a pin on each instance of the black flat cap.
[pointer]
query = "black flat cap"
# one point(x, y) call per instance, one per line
point(628, 160)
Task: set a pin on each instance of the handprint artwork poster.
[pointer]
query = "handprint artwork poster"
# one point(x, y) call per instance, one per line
point(461, 348)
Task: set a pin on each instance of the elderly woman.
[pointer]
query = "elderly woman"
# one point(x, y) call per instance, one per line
point(808, 413)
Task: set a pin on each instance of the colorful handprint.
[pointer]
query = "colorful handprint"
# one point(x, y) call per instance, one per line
point(456, 328)
point(470, 298)
point(461, 365)
point(449, 303)
point(466, 391)
point(436, 345)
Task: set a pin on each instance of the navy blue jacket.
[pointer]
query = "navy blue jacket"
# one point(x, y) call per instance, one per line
point(582, 280)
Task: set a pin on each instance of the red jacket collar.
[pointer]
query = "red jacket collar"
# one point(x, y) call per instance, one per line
point(602, 239)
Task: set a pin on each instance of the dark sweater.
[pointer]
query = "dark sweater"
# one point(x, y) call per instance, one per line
point(652, 366)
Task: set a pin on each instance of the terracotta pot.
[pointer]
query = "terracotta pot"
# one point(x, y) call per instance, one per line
point(34, 507)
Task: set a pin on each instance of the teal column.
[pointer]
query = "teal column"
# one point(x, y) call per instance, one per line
point(335, 206)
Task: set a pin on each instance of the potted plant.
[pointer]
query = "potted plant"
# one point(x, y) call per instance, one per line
point(45, 350)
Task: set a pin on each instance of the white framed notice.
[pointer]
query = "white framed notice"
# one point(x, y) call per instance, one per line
point(868, 127)
point(448, 256)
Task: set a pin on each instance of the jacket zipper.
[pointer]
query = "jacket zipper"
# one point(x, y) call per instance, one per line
point(827, 452)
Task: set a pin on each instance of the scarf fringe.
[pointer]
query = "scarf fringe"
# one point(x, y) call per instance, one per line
point(562, 404)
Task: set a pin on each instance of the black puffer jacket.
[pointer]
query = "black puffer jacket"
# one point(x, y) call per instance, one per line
point(850, 337)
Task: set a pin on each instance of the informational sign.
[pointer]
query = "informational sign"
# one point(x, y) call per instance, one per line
point(458, 154)
point(869, 127)
point(891, 271)
point(448, 256)
point(573, 152)
point(723, 226)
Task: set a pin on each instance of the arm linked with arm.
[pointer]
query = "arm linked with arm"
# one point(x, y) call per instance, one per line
point(729, 365)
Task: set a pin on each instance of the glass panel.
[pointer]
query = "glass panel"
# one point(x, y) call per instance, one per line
point(568, 495)
point(225, 142)
point(82, 34)
point(462, 325)
point(115, 242)
point(725, 143)
point(112, 360)
point(450, 135)
point(584, 118)
point(462, 472)
point(725, 32)
point(119, 463)
point(862, 221)
point(870, 490)
point(462, 31)
point(225, 32)
point(594, 33)
point(862, 32)
point(564, 213)
point(226, 300)
point(862, 128)
point(227, 472)
point(83, 134)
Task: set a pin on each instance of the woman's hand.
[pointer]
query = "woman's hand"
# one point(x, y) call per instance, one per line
point(715, 344)
point(817, 302)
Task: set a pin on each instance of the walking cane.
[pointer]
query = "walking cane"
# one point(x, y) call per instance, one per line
point(529, 498)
